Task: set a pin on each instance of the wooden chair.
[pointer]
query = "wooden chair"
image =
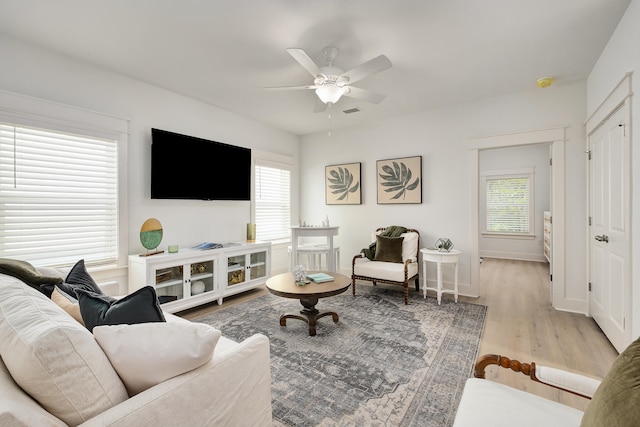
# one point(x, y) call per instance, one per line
point(394, 273)
point(488, 403)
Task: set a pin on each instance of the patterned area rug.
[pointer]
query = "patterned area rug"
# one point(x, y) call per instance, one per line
point(384, 363)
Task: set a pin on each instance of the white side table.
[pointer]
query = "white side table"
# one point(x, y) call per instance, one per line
point(434, 255)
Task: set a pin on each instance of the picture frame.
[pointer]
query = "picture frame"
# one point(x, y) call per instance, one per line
point(399, 181)
point(343, 184)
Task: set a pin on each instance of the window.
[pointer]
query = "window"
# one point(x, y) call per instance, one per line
point(508, 202)
point(272, 200)
point(58, 196)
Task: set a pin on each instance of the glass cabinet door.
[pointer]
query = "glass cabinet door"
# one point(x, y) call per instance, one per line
point(201, 274)
point(169, 283)
point(236, 267)
point(258, 264)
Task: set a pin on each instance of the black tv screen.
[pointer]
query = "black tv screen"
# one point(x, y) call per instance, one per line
point(186, 167)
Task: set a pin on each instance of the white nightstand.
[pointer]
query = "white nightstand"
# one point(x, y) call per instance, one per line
point(434, 255)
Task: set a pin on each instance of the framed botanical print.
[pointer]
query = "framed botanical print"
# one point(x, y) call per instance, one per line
point(399, 180)
point(342, 184)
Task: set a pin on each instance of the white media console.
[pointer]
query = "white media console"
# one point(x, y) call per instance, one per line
point(193, 277)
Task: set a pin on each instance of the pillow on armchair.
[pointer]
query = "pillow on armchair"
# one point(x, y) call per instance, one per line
point(410, 246)
point(388, 249)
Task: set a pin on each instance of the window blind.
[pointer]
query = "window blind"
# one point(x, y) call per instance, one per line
point(58, 196)
point(507, 205)
point(272, 202)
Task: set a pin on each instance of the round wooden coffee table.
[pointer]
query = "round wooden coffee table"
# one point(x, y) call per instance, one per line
point(283, 285)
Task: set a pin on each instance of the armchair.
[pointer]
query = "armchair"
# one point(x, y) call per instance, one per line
point(395, 260)
point(613, 401)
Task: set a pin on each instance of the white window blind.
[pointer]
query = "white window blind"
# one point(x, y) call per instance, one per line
point(58, 196)
point(508, 204)
point(272, 201)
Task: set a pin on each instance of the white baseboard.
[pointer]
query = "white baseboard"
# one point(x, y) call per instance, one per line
point(513, 256)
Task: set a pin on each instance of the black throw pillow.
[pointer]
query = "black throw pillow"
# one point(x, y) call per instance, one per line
point(29, 274)
point(140, 306)
point(79, 278)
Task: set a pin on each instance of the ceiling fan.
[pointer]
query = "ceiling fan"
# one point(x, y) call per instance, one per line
point(331, 83)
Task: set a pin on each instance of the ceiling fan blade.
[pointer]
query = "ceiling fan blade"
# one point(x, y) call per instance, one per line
point(377, 64)
point(291, 87)
point(301, 56)
point(364, 94)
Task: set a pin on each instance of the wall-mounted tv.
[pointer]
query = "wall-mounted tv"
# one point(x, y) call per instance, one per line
point(186, 167)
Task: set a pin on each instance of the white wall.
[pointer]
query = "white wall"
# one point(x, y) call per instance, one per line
point(442, 137)
point(43, 74)
point(530, 156)
point(620, 56)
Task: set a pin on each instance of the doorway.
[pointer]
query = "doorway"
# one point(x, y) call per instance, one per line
point(515, 193)
point(554, 137)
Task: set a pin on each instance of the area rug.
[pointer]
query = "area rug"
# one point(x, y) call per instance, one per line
point(383, 364)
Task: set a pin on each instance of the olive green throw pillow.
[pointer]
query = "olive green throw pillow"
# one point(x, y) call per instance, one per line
point(615, 402)
point(388, 249)
point(28, 274)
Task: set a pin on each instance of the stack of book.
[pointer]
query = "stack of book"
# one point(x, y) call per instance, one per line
point(319, 277)
point(208, 245)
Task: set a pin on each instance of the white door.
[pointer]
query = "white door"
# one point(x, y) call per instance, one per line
point(610, 232)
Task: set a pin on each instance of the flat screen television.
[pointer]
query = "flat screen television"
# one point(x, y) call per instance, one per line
point(186, 167)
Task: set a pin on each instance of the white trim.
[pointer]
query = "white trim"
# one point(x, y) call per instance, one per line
point(474, 218)
point(513, 255)
point(611, 103)
point(556, 137)
point(496, 235)
point(518, 138)
point(30, 111)
point(508, 172)
point(37, 112)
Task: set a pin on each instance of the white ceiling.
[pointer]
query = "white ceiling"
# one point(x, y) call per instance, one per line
point(223, 52)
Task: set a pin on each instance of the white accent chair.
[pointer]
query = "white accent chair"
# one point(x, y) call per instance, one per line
point(395, 273)
point(487, 403)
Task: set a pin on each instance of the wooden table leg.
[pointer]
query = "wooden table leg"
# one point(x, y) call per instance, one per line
point(309, 314)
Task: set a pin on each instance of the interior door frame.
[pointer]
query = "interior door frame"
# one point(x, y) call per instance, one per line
point(555, 137)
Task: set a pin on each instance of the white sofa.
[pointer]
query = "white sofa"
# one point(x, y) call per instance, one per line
point(46, 351)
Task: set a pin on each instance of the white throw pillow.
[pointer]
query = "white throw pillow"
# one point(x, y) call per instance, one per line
point(145, 354)
point(410, 246)
point(54, 358)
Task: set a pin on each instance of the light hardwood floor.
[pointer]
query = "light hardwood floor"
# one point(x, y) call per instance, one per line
point(520, 324)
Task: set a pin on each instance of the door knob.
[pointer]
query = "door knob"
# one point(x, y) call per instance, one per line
point(603, 238)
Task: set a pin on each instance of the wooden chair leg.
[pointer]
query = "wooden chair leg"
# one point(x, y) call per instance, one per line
point(353, 286)
point(406, 293)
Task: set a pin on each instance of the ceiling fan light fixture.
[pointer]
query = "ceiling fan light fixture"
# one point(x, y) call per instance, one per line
point(330, 93)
